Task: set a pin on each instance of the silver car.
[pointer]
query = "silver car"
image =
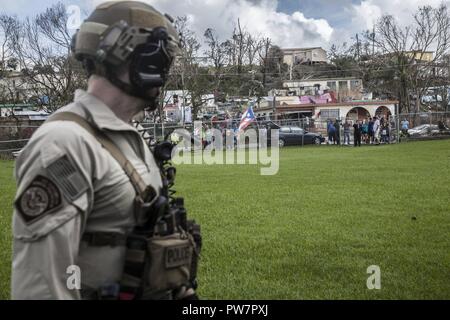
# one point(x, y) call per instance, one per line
point(424, 130)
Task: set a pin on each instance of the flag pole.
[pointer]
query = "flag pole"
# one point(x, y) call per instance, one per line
point(256, 118)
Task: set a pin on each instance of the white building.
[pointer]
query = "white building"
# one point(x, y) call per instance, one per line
point(345, 89)
point(304, 56)
point(178, 106)
point(16, 87)
point(24, 111)
point(323, 111)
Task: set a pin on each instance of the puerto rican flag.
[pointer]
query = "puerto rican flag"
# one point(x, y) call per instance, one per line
point(247, 118)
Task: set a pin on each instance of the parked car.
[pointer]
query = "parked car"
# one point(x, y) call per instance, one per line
point(424, 130)
point(298, 136)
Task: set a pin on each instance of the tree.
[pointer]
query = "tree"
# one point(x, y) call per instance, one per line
point(7, 60)
point(275, 68)
point(7, 26)
point(254, 46)
point(41, 45)
point(263, 53)
point(407, 49)
point(216, 54)
point(344, 61)
point(187, 74)
point(240, 46)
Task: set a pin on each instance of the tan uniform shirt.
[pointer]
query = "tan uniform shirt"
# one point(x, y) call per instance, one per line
point(67, 184)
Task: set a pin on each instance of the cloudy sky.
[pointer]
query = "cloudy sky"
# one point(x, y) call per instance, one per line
point(289, 23)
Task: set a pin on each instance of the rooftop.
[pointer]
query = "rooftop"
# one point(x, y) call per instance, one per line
point(301, 49)
point(285, 107)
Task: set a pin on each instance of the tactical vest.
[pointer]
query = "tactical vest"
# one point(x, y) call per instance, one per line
point(163, 249)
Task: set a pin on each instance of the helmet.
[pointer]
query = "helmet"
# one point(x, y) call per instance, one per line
point(129, 34)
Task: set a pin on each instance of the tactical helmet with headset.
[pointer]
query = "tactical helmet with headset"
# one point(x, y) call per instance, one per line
point(129, 34)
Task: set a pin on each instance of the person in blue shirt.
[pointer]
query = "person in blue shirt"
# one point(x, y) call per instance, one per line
point(405, 126)
point(331, 132)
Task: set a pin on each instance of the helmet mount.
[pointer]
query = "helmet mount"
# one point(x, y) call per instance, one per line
point(145, 53)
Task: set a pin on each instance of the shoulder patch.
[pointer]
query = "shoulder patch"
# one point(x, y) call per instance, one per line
point(68, 178)
point(40, 198)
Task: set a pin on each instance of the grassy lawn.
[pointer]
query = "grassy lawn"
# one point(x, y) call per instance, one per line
point(312, 231)
point(7, 193)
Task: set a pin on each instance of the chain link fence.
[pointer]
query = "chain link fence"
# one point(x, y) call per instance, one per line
point(403, 128)
point(425, 125)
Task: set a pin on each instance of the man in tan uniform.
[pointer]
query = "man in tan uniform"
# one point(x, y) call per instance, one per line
point(75, 202)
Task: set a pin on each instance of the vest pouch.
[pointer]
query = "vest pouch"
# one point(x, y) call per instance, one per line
point(169, 265)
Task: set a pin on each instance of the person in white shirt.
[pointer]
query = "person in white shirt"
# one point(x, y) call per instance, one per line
point(376, 130)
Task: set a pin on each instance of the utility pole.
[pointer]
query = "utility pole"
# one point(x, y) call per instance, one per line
point(275, 105)
point(183, 105)
point(266, 57)
point(357, 48)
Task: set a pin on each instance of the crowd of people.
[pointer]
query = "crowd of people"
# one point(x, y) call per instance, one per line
point(230, 135)
point(376, 130)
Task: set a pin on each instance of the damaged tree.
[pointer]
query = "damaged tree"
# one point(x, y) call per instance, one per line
point(408, 51)
point(217, 55)
point(8, 62)
point(42, 47)
point(188, 74)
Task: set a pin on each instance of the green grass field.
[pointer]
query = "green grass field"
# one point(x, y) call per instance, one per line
point(312, 231)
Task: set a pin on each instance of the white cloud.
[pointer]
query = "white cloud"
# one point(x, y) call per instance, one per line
point(363, 16)
point(262, 17)
point(288, 30)
point(258, 17)
point(366, 14)
point(369, 11)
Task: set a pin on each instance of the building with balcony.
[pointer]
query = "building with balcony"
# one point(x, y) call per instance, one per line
point(304, 56)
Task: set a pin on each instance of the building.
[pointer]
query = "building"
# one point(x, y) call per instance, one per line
point(324, 99)
point(420, 56)
point(22, 111)
point(293, 108)
point(16, 88)
point(304, 56)
point(177, 106)
point(345, 89)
